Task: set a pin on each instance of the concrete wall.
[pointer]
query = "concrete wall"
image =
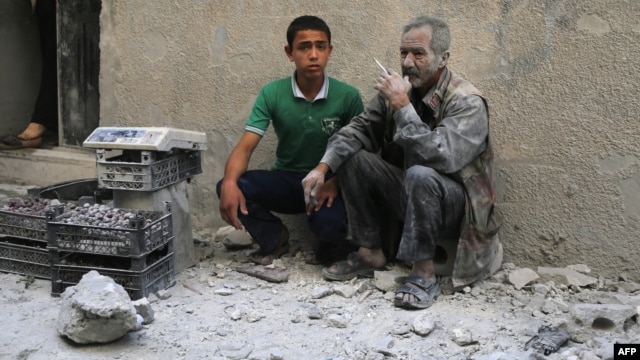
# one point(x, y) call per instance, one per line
point(561, 77)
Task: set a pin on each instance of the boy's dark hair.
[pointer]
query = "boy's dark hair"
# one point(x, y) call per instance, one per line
point(306, 22)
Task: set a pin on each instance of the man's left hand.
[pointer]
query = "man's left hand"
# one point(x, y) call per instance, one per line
point(312, 183)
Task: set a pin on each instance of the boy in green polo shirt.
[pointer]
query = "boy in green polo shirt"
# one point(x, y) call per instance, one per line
point(305, 110)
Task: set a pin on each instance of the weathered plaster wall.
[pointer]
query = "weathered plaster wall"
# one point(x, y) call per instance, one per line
point(561, 77)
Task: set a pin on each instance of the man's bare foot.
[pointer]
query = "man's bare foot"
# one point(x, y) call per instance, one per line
point(33, 131)
point(374, 257)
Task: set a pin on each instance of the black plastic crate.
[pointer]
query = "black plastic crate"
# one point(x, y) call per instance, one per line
point(138, 284)
point(136, 263)
point(32, 225)
point(148, 231)
point(24, 257)
point(23, 226)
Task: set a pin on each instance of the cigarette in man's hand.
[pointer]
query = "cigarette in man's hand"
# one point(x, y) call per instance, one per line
point(381, 67)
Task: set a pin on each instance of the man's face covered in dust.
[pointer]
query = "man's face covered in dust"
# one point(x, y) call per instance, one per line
point(419, 62)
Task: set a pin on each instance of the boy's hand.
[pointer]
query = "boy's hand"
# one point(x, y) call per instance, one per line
point(232, 200)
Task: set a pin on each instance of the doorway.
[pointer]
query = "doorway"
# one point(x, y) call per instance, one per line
point(78, 67)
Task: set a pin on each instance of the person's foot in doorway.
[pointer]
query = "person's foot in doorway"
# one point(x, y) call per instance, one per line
point(31, 137)
point(33, 131)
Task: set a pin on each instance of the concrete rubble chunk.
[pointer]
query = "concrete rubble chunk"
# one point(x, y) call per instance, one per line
point(337, 321)
point(321, 292)
point(462, 337)
point(96, 310)
point(143, 307)
point(384, 346)
point(346, 291)
point(581, 268)
point(388, 281)
point(238, 239)
point(566, 276)
point(235, 350)
point(264, 273)
point(590, 318)
point(520, 278)
point(629, 287)
point(423, 325)
point(314, 313)
point(498, 356)
point(162, 294)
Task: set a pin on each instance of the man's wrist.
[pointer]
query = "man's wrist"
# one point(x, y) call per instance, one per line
point(323, 168)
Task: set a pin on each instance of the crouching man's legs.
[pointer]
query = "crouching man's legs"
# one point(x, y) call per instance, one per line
point(434, 209)
point(371, 189)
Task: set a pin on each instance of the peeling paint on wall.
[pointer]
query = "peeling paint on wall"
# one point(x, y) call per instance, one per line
point(156, 46)
point(593, 24)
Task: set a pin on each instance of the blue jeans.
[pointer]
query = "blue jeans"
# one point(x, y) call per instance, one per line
point(281, 192)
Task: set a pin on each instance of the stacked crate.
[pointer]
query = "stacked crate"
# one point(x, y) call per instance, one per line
point(61, 244)
point(137, 252)
point(23, 238)
point(151, 165)
point(146, 170)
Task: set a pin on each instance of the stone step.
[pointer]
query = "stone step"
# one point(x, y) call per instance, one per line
point(44, 167)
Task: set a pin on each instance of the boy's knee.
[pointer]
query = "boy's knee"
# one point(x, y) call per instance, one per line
point(218, 186)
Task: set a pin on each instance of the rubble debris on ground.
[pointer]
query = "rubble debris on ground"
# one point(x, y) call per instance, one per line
point(96, 310)
point(307, 317)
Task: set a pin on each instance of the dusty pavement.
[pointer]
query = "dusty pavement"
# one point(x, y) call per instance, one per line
point(215, 312)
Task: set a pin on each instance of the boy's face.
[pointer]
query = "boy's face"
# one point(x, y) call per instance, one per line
point(310, 52)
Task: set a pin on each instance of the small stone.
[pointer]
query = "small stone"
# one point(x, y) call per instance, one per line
point(321, 291)
point(462, 337)
point(314, 313)
point(237, 239)
point(521, 277)
point(336, 321)
point(581, 268)
point(163, 294)
point(144, 309)
point(422, 325)
point(254, 316)
point(346, 291)
point(224, 292)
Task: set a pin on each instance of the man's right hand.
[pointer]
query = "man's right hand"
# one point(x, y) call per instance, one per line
point(232, 200)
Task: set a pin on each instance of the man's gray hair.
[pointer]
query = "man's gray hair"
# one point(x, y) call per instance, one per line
point(440, 35)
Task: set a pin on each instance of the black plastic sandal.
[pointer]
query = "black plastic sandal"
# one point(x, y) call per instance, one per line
point(425, 290)
point(13, 142)
point(348, 269)
point(548, 340)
